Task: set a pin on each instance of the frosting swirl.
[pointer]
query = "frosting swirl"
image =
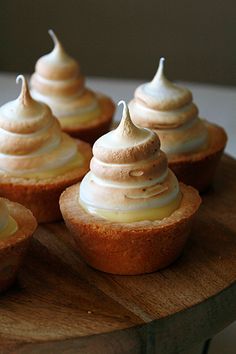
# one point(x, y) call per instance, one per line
point(8, 225)
point(57, 81)
point(129, 179)
point(31, 141)
point(169, 110)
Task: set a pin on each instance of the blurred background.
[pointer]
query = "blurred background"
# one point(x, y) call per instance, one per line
point(125, 38)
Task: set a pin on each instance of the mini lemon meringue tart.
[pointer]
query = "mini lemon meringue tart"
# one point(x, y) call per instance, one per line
point(57, 81)
point(37, 160)
point(193, 145)
point(17, 225)
point(129, 215)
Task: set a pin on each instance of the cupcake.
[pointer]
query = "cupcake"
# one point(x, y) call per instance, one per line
point(193, 145)
point(129, 215)
point(57, 81)
point(38, 161)
point(17, 225)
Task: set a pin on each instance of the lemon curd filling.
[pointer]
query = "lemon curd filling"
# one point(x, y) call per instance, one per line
point(8, 229)
point(84, 118)
point(151, 214)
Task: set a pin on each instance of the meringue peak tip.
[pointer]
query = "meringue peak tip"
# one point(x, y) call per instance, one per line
point(54, 37)
point(160, 69)
point(126, 126)
point(20, 78)
point(122, 102)
point(162, 61)
point(160, 72)
point(25, 96)
point(125, 113)
point(125, 106)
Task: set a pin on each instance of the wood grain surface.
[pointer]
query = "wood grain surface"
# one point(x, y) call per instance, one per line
point(61, 305)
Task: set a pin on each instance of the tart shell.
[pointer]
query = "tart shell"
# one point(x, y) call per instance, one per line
point(198, 169)
point(41, 196)
point(13, 249)
point(129, 248)
point(90, 132)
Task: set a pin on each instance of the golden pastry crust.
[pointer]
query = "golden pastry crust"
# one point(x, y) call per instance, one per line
point(13, 249)
point(129, 248)
point(91, 131)
point(198, 169)
point(41, 196)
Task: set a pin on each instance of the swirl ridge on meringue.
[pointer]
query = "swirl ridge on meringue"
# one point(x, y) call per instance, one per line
point(31, 141)
point(58, 82)
point(129, 178)
point(169, 110)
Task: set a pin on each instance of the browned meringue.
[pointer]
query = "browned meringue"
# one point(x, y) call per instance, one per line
point(31, 141)
point(168, 109)
point(57, 81)
point(129, 178)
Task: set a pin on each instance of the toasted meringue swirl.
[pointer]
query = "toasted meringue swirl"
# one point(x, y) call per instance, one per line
point(168, 109)
point(129, 178)
point(8, 226)
point(57, 81)
point(31, 141)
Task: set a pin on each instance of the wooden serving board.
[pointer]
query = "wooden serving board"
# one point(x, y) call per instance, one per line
point(61, 305)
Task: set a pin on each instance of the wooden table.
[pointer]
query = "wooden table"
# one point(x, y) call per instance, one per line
point(60, 305)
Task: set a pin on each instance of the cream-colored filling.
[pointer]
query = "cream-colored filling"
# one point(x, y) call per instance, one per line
point(8, 229)
point(151, 214)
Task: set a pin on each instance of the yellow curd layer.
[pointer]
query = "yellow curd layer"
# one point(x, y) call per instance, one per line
point(151, 214)
point(10, 228)
point(75, 163)
point(77, 119)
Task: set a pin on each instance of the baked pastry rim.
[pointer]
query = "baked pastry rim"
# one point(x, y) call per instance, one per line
point(188, 206)
point(26, 222)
